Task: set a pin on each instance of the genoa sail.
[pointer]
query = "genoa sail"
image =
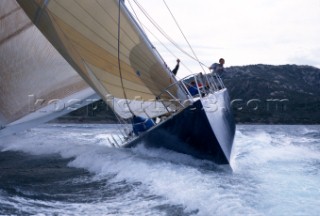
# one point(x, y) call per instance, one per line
point(103, 43)
point(36, 83)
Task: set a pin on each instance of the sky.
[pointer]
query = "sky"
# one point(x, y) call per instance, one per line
point(243, 32)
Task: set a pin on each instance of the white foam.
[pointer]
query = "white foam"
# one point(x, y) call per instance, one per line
point(266, 147)
point(159, 170)
point(262, 159)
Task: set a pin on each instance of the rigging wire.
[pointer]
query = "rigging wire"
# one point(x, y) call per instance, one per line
point(141, 26)
point(175, 20)
point(154, 23)
point(166, 47)
point(147, 29)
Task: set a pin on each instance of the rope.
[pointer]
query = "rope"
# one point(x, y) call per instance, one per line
point(119, 62)
point(167, 48)
point(151, 33)
point(167, 36)
point(184, 36)
point(135, 14)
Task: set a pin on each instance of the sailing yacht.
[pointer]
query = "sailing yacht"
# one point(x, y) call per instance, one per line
point(102, 41)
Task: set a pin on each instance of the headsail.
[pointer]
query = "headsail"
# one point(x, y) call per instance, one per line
point(103, 43)
point(36, 83)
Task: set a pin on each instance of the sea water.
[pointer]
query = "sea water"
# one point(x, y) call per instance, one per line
point(70, 169)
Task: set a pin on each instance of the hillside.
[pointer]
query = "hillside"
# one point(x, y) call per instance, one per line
point(285, 94)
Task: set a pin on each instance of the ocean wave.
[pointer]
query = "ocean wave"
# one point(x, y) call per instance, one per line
point(157, 181)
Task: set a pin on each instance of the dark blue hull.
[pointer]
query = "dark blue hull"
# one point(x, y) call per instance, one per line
point(192, 132)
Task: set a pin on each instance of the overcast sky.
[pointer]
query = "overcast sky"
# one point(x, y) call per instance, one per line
point(241, 31)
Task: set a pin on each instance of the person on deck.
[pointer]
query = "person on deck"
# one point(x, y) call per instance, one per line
point(218, 67)
point(141, 124)
point(175, 70)
point(193, 88)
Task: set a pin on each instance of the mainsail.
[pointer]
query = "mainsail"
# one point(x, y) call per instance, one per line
point(104, 44)
point(36, 83)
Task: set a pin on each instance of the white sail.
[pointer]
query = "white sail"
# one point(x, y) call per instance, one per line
point(106, 47)
point(36, 83)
